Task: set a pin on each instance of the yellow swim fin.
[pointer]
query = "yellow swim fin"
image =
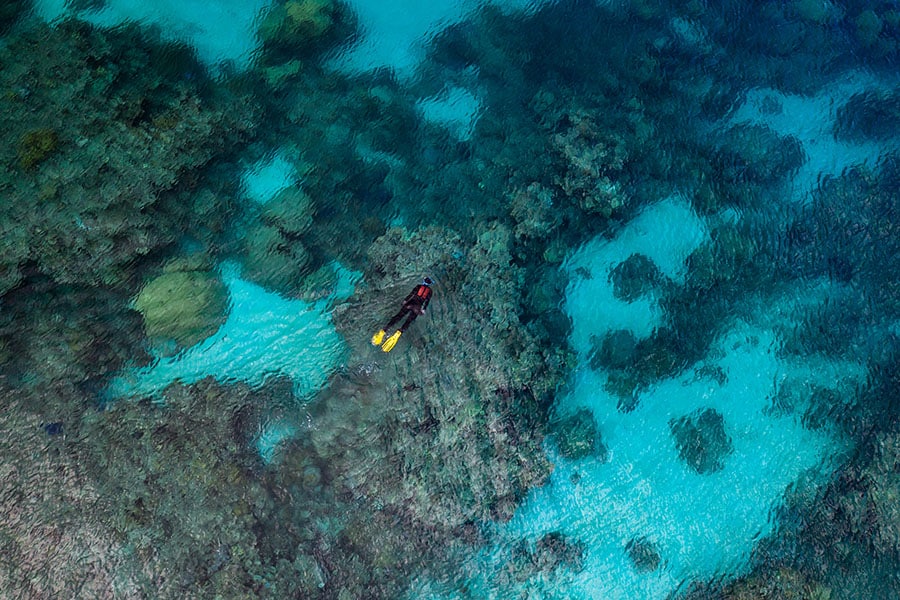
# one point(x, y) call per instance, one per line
point(378, 338)
point(389, 343)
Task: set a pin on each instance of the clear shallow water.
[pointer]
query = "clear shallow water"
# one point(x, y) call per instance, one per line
point(660, 356)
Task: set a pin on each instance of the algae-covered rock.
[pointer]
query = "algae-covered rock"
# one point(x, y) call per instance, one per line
point(184, 306)
point(702, 441)
point(297, 22)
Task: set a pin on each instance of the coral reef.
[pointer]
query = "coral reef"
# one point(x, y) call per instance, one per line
point(594, 159)
point(488, 406)
point(180, 479)
point(783, 584)
point(10, 11)
point(98, 156)
point(551, 552)
point(402, 457)
point(52, 537)
point(67, 336)
point(534, 211)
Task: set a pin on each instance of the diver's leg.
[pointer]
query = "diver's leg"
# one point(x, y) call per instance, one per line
point(412, 317)
point(396, 318)
point(392, 340)
point(378, 338)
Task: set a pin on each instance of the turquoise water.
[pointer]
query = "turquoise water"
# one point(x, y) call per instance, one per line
point(660, 360)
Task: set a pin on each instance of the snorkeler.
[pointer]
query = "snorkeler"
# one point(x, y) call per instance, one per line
point(413, 305)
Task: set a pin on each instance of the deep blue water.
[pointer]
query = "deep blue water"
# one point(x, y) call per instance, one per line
point(660, 358)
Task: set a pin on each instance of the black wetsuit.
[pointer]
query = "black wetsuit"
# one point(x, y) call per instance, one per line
point(413, 305)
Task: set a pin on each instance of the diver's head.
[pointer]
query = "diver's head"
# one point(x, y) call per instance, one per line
point(427, 281)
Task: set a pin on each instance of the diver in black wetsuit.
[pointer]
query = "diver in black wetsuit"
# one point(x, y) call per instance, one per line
point(413, 305)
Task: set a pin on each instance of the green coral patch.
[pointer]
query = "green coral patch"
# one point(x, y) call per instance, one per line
point(36, 145)
point(184, 306)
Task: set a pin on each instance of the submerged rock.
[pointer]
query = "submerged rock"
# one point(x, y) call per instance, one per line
point(702, 441)
point(615, 350)
point(274, 260)
point(783, 583)
point(297, 22)
point(643, 554)
point(290, 211)
point(577, 436)
point(869, 116)
point(551, 551)
point(634, 277)
point(757, 154)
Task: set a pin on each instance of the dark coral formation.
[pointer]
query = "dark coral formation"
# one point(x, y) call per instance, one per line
point(10, 12)
point(701, 439)
point(616, 350)
point(869, 116)
point(552, 552)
